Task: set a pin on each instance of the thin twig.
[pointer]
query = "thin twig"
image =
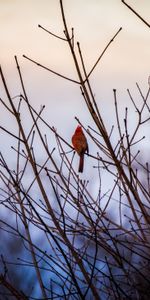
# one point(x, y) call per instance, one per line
point(56, 73)
point(103, 52)
point(145, 22)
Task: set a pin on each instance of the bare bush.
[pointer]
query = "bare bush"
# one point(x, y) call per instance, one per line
point(71, 244)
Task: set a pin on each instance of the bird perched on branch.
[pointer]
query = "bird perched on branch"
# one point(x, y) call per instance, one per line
point(80, 145)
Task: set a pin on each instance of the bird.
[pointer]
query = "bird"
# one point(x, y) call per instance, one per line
point(80, 145)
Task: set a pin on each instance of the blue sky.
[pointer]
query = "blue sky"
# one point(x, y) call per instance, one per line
point(95, 21)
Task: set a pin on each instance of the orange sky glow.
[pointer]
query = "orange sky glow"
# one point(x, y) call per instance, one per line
point(95, 22)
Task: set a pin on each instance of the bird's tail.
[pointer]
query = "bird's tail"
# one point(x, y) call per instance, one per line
point(81, 163)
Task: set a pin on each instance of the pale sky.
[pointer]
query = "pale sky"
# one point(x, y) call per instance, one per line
point(126, 62)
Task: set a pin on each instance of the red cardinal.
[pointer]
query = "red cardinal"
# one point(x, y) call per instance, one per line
point(80, 144)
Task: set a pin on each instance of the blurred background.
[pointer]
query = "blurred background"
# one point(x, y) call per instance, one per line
point(125, 62)
point(95, 23)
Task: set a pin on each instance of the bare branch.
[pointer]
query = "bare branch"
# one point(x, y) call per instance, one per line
point(139, 16)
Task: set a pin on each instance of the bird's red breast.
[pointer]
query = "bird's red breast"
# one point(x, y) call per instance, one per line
point(79, 141)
